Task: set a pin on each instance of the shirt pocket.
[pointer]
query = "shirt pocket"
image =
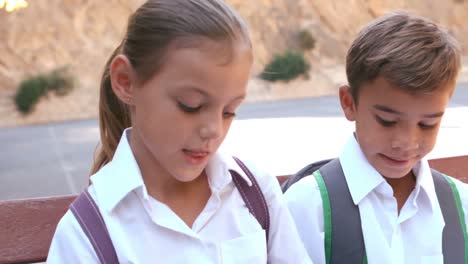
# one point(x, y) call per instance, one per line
point(433, 259)
point(250, 248)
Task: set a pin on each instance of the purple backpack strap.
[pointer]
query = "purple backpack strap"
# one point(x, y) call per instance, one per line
point(90, 219)
point(252, 196)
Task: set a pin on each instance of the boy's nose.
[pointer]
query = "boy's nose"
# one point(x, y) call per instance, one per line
point(406, 140)
point(405, 147)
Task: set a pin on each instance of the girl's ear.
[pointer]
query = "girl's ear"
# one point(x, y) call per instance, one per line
point(122, 79)
point(347, 102)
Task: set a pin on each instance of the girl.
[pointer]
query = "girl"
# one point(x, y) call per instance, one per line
point(160, 191)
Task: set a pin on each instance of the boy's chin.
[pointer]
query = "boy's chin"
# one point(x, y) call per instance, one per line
point(394, 173)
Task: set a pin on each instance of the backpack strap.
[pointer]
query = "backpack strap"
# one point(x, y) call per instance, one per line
point(344, 242)
point(252, 196)
point(454, 236)
point(90, 219)
point(87, 214)
point(306, 171)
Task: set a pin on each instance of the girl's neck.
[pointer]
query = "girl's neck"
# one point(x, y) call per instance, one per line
point(165, 188)
point(158, 181)
point(186, 199)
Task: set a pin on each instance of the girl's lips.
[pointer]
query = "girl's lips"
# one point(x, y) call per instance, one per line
point(195, 157)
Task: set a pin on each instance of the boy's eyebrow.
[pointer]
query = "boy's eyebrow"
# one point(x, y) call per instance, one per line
point(393, 111)
point(435, 115)
point(387, 109)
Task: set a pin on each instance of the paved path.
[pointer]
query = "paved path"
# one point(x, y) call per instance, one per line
point(54, 159)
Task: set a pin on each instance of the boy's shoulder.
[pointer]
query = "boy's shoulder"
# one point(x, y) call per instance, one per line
point(304, 191)
point(462, 187)
point(305, 172)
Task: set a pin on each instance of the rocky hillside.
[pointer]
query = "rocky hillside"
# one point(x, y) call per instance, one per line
point(82, 33)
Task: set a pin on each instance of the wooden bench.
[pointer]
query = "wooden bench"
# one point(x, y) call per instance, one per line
point(27, 226)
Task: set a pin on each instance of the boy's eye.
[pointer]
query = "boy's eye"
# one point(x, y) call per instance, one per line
point(427, 126)
point(188, 109)
point(384, 122)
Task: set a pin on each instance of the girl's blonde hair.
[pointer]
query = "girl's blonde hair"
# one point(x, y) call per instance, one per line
point(152, 29)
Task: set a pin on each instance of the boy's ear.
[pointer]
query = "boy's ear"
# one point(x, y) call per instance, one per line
point(347, 102)
point(121, 77)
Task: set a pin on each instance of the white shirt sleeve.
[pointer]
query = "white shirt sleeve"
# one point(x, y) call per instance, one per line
point(70, 244)
point(305, 204)
point(284, 243)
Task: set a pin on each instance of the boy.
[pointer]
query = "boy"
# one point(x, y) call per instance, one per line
point(402, 71)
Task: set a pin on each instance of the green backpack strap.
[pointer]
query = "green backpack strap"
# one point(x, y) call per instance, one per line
point(454, 236)
point(344, 242)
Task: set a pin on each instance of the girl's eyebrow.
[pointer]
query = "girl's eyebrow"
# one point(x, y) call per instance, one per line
point(194, 89)
point(204, 93)
point(387, 109)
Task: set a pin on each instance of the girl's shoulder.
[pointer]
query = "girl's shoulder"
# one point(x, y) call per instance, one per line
point(70, 242)
point(262, 176)
point(267, 182)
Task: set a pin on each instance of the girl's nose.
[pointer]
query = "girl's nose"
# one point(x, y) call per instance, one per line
point(211, 129)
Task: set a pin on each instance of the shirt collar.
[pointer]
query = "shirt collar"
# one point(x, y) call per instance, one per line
point(218, 171)
point(360, 175)
point(356, 166)
point(424, 181)
point(119, 177)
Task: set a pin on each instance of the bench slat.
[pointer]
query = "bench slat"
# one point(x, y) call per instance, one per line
point(456, 167)
point(27, 227)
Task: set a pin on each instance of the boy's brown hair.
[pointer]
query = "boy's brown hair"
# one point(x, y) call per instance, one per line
point(410, 52)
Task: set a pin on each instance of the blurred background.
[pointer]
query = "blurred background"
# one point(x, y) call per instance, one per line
point(52, 53)
point(77, 36)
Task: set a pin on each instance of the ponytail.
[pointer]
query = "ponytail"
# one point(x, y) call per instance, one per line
point(114, 117)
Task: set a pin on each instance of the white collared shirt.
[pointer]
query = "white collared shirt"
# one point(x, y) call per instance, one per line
point(144, 230)
point(413, 236)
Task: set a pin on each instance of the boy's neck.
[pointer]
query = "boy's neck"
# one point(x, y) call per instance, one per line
point(402, 188)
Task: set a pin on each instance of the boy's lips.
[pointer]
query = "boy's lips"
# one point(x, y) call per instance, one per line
point(396, 160)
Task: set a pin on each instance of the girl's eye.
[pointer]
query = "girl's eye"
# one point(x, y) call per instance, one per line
point(384, 122)
point(229, 115)
point(426, 126)
point(188, 109)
